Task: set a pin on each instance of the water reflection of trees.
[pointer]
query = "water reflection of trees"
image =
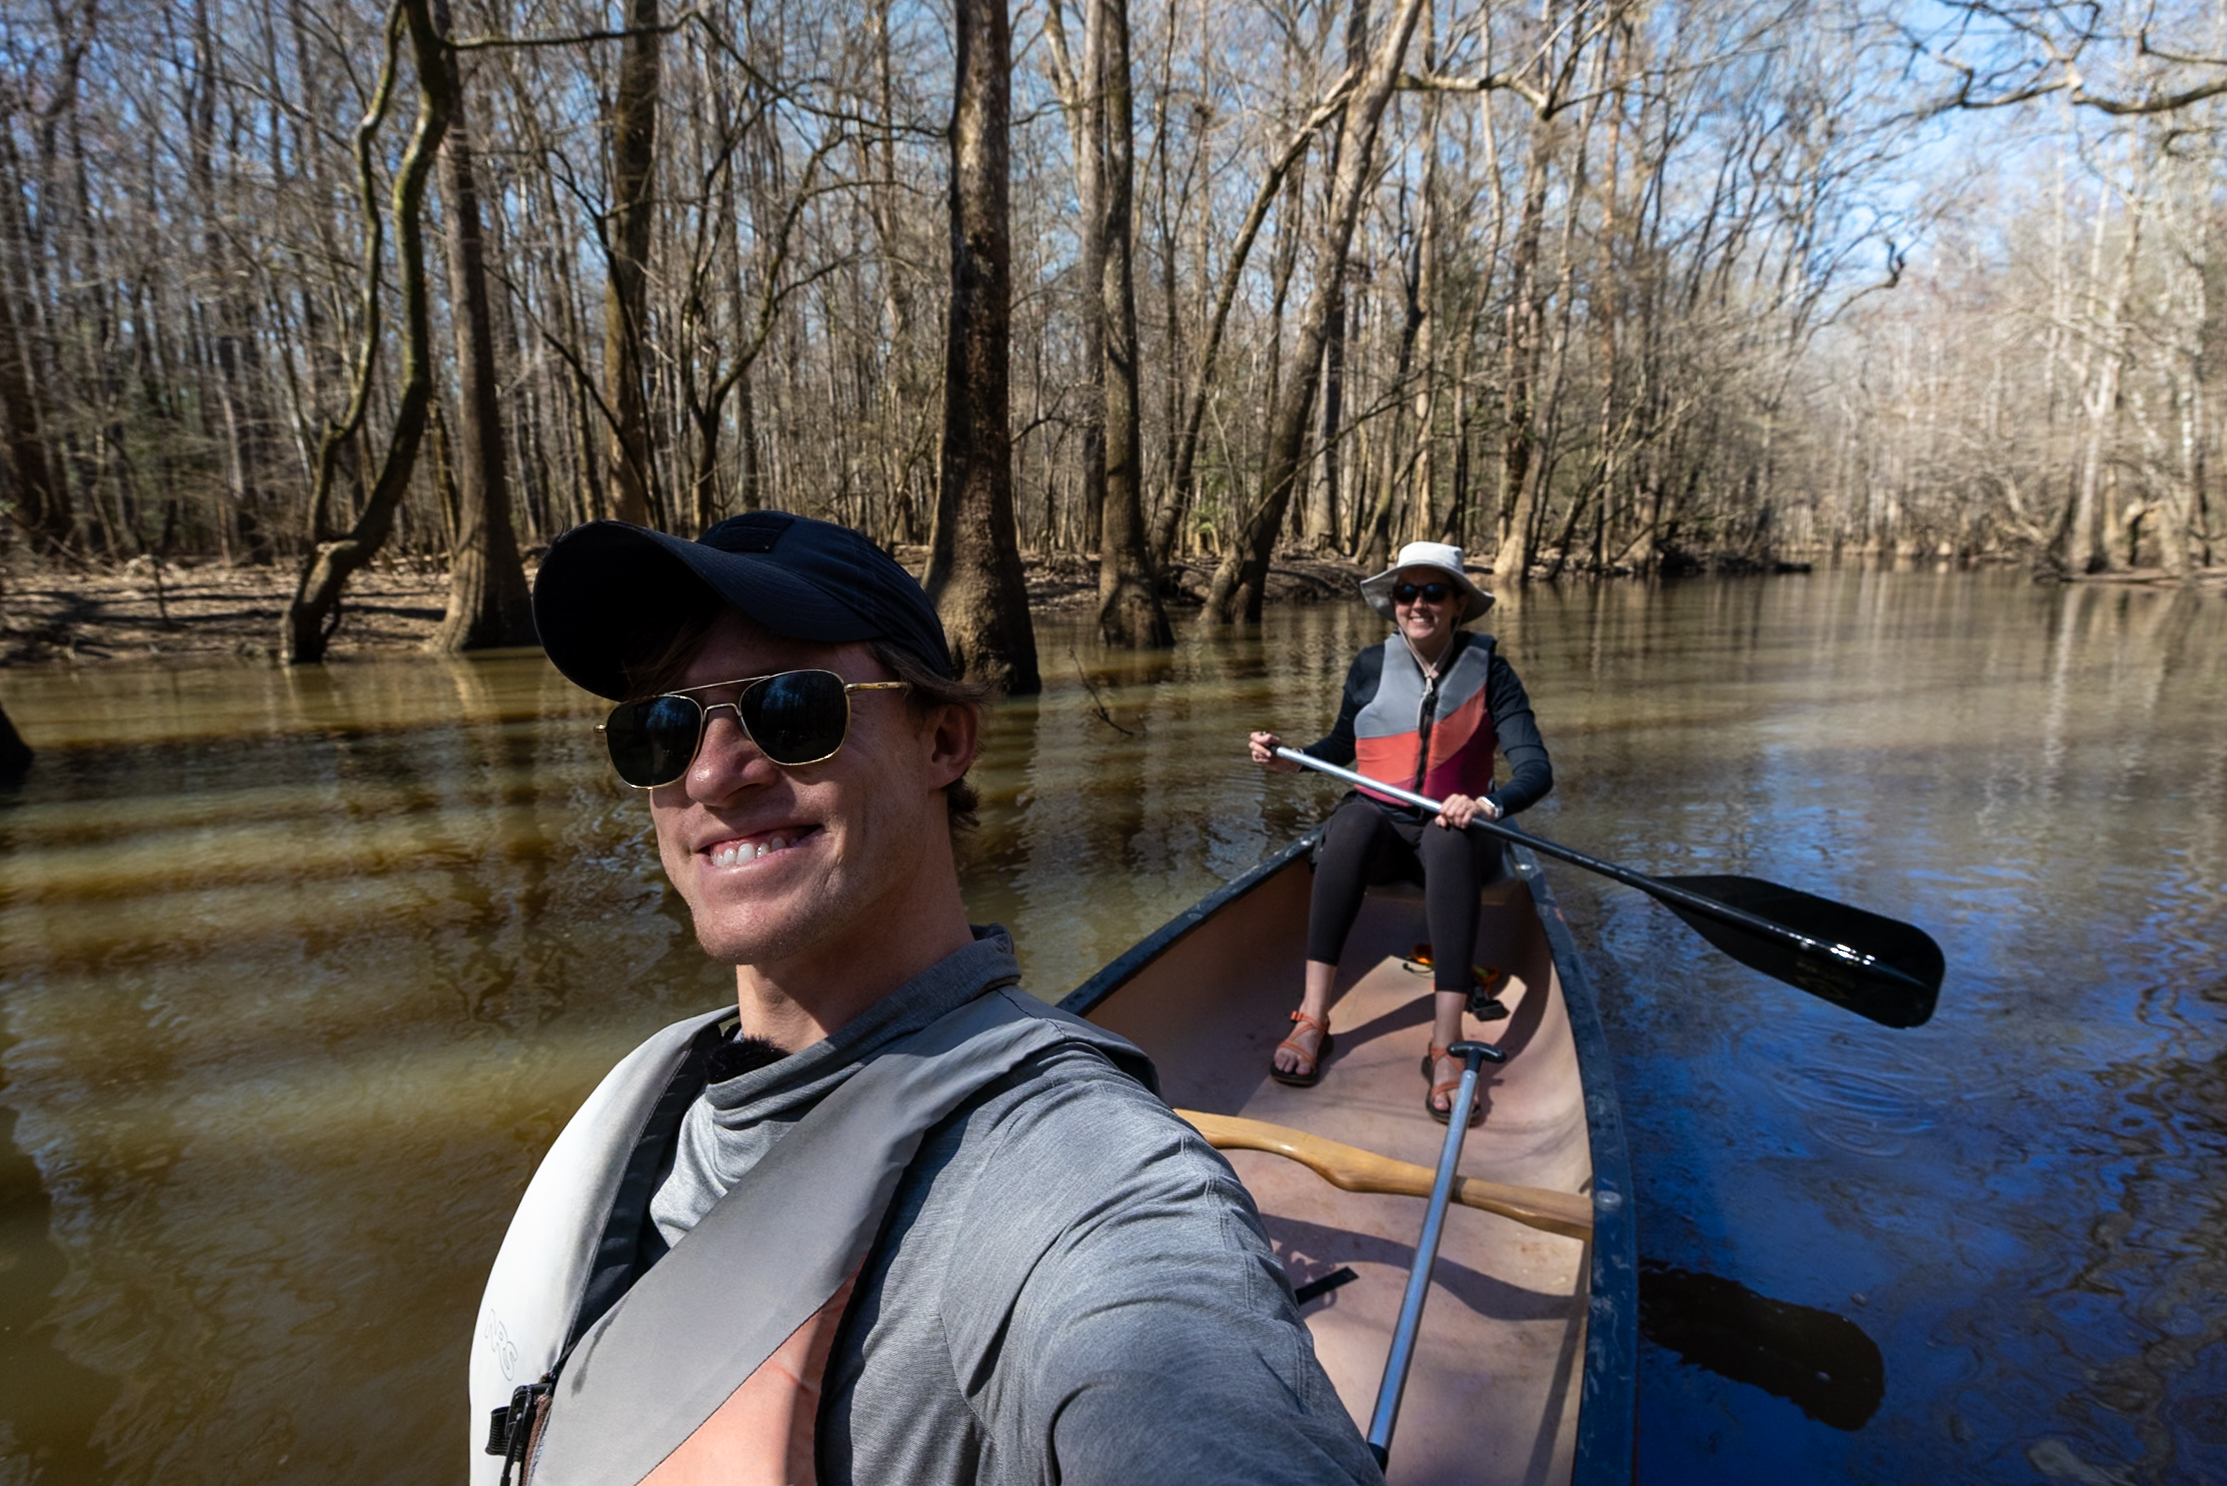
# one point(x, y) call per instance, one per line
point(301, 985)
point(302, 974)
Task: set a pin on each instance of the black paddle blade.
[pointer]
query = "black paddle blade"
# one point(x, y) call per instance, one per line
point(1877, 967)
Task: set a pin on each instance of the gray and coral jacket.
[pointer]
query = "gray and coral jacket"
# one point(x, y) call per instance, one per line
point(1436, 736)
point(968, 1244)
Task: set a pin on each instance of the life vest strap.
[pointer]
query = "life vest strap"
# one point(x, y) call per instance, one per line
point(631, 1243)
point(510, 1429)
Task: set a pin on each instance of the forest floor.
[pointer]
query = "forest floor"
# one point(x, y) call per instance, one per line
point(62, 616)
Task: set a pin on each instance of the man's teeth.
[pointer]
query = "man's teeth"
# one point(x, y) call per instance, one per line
point(746, 851)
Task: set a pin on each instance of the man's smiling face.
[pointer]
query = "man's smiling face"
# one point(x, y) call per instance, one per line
point(783, 865)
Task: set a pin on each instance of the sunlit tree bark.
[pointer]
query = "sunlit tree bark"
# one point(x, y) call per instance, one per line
point(974, 571)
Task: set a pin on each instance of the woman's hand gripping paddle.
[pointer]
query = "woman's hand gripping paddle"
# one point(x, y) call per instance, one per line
point(1877, 967)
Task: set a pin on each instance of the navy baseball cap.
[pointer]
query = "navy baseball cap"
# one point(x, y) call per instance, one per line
point(611, 591)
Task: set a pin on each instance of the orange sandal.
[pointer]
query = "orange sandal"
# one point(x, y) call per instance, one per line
point(1310, 1075)
point(1430, 1100)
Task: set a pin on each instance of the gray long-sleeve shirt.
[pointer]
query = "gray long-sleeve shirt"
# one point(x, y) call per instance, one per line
point(1070, 1285)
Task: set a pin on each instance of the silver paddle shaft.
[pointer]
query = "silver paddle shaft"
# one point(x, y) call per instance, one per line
point(1362, 781)
point(1426, 1257)
point(1669, 894)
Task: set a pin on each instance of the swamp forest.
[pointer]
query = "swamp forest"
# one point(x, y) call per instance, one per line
point(1832, 390)
point(1587, 286)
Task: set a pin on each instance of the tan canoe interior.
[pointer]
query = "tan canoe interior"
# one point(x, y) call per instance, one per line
point(1493, 1396)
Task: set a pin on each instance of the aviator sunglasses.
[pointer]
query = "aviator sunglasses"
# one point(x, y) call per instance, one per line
point(1436, 593)
point(794, 718)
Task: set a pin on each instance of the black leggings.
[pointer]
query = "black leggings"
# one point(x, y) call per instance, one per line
point(1363, 846)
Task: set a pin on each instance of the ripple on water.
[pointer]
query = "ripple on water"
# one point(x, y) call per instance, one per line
point(1866, 1111)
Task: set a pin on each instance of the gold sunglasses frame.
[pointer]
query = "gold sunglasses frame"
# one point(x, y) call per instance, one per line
point(703, 722)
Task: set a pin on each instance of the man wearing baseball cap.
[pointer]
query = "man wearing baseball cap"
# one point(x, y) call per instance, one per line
point(887, 1218)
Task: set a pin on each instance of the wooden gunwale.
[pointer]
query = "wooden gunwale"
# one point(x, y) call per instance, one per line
point(1603, 1278)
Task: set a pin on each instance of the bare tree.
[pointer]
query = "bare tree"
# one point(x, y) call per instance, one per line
point(974, 570)
point(1241, 580)
point(1129, 612)
point(2122, 61)
point(314, 613)
point(488, 602)
point(633, 126)
point(1612, 295)
point(38, 502)
point(1273, 182)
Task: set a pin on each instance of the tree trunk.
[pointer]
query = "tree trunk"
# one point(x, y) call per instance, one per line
point(1090, 196)
point(36, 487)
point(1081, 96)
point(974, 566)
point(314, 613)
point(40, 503)
point(242, 421)
point(751, 478)
point(1129, 612)
point(1323, 521)
point(2088, 547)
point(1520, 464)
point(1422, 321)
point(488, 602)
point(626, 299)
point(1283, 262)
point(1172, 342)
point(1242, 576)
point(1328, 496)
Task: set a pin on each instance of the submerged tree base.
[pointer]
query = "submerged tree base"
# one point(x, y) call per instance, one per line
point(212, 611)
point(204, 611)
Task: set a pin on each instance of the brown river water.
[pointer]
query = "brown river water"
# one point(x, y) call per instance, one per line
point(301, 972)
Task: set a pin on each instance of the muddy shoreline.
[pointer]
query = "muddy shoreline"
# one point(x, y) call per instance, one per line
point(210, 612)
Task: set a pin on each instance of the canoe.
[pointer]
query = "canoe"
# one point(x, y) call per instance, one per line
point(1525, 1362)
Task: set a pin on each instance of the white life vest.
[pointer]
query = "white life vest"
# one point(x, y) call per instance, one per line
point(601, 1371)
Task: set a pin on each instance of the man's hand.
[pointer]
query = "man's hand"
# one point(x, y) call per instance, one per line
point(1264, 746)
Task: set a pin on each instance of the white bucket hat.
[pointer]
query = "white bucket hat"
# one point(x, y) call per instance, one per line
point(1443, 556)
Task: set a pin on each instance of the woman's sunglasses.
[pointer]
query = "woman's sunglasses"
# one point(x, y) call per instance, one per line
point(794, 718)
point(1436, 593)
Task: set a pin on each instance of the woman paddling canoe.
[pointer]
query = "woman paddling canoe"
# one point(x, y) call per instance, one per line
point(1424, 711)
point(1522, 1365)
